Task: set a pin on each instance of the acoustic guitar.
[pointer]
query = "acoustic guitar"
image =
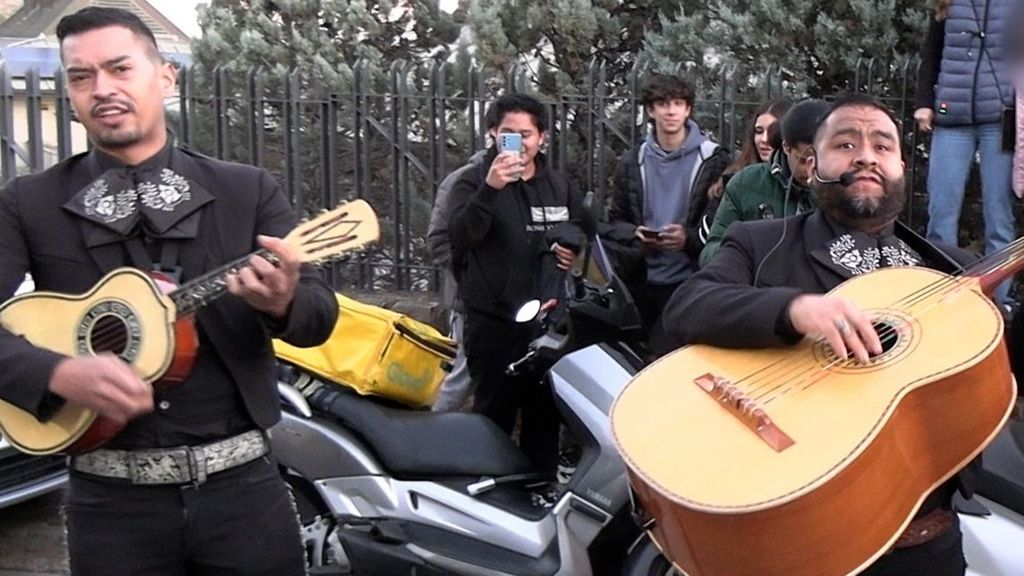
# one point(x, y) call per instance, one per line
point(793, 462)
point(147, 321)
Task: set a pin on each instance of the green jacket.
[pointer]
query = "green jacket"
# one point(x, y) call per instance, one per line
point(756, 193)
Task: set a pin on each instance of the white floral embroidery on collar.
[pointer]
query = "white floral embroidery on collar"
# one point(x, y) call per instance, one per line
point(172, 190)
point(857, 258)
point(109, 207)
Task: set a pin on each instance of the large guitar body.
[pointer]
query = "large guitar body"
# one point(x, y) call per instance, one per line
point(148, 322)
point(790, 462)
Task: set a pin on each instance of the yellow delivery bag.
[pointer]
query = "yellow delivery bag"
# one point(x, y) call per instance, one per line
point(380, 352)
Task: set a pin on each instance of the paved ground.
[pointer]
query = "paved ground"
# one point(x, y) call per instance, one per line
point(32, 538)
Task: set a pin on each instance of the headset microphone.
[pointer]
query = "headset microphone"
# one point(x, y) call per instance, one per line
point(845, 179)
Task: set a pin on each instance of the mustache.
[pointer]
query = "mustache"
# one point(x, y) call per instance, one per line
point(104, 105)
point(871, 172)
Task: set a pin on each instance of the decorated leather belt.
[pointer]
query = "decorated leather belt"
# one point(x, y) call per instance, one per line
point(181, 465)
point(926, 528)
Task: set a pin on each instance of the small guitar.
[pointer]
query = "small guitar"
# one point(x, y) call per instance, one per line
point(147, 321)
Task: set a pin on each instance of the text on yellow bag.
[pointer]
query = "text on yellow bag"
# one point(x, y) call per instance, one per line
point(380, 352)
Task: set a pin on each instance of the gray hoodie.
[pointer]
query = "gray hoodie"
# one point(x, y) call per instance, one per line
point(667, 180)
point(438, 242)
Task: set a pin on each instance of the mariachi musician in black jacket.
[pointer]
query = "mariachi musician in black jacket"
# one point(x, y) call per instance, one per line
point(187, 486)
point(766, 287)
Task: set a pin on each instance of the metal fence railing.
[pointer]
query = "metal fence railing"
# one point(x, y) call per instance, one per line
point(391, 140)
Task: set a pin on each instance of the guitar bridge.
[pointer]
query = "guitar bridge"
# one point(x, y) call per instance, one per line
point(747, 411)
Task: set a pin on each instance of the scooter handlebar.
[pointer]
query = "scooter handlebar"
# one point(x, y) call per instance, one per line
point(519, 366)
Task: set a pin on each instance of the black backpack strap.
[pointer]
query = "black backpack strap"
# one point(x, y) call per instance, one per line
point(169, 250)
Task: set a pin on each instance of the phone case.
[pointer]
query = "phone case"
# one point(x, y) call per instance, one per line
point(1009, 128)
point(510, 142)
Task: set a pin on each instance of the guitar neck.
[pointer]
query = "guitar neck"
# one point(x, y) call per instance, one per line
point(347, 227)
point(189, 298)
point(993, 270)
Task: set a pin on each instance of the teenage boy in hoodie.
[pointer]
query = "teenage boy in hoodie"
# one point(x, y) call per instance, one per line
point(501, 259)
point(661, 188)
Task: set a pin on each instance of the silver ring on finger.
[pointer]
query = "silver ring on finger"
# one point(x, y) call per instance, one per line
point(842, 325)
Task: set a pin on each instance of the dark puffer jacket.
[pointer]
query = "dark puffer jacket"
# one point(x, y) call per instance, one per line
point(965, 76)
point(627, 201)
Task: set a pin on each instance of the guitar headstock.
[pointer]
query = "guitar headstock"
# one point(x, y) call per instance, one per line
point(349, 226)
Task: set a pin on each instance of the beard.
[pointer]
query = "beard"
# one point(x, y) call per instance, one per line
point(861, 212)
point(125, 135)
point(113, 139)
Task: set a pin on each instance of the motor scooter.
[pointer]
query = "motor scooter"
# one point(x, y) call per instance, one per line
point(386, 490)
point(993, 519)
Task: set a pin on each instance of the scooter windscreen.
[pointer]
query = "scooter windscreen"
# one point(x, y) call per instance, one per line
point(597, 269)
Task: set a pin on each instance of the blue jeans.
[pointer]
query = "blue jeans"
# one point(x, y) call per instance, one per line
point(952, 153)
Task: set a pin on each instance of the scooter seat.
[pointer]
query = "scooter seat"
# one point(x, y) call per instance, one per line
point(420, 444)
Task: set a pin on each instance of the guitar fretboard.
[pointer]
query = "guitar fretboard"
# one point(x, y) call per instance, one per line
point(205, 289)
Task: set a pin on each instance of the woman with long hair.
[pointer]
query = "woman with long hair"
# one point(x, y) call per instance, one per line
point(759, 140)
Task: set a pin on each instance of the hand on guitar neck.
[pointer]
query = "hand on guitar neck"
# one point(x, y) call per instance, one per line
point(839, 321)
point(266, 286)
point(155, 336)
point(104, 384)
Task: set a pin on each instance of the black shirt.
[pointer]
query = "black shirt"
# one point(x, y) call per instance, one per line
point(207, 406)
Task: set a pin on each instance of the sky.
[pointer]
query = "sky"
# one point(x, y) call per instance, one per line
point(181, 12)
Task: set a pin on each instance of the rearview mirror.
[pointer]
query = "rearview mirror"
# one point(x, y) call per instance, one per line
point(528, 312)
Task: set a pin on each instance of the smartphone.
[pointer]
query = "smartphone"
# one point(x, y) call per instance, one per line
point(648, 233)
point(510, 142)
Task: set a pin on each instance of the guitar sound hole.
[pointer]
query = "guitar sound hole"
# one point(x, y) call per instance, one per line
point(887, 334)
point(109, 334)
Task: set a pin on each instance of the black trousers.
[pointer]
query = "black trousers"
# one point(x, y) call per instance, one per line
point(241, 522)
point(943, 556)
point(652, 302)
point(490, 347)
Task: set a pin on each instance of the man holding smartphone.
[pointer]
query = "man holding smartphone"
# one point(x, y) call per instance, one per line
point(661, 188)
point(502, 259)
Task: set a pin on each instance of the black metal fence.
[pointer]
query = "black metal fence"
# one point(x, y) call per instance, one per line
point(392, 140)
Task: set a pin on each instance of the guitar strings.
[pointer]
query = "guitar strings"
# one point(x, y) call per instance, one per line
point(107, 336)
point(774, 376)
point(917, 307)
point(799, 362)
point(111, 336)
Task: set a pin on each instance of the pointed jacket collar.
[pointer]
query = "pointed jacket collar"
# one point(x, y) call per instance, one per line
point(152, 198)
